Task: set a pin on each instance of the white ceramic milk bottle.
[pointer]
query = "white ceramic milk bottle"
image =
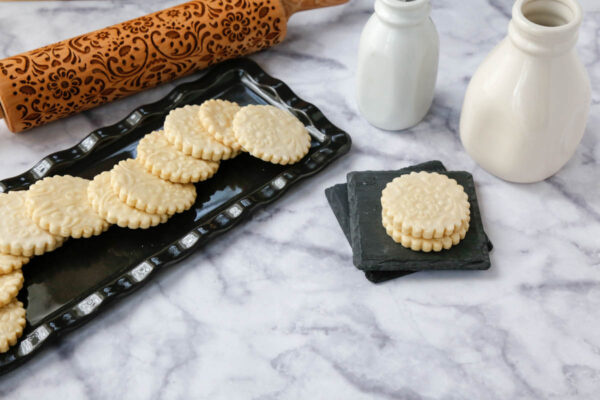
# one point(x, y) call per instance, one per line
point(526, 107)
point(397, 64)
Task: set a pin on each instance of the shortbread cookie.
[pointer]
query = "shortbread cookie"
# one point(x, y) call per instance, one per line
point(184, 131)
point(19, 235)
point(12, 322)
point(10, 263)
point(271, 134)
point(59, 205)
point(216, 116)
point(10, 284)
point(425, 205)
point(140, 189)
point(161, 159)
point(425, 245)
point(105, 202)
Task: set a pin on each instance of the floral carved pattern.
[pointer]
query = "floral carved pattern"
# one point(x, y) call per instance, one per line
point(63, 84)
point(92, 69)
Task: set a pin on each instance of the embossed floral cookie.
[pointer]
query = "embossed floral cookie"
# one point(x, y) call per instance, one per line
point(216, 116)
point(184, 131)
point(59, 205)
point(19, 235)
point(271, 134)
point(12, 322)
point(425, 205)
point(140, 189)
point(161, 159)
point(105, 202)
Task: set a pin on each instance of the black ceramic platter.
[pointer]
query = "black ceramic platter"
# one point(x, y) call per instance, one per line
point(66, 288)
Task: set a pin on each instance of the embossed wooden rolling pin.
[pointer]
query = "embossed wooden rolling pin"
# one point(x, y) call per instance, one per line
point(77, 74)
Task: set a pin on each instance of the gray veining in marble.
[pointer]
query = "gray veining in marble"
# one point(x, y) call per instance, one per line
point(275, 310)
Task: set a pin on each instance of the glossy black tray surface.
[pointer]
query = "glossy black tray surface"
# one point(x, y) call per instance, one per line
point(69, 286)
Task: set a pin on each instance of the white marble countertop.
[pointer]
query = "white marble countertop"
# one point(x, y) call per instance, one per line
point(275, 309)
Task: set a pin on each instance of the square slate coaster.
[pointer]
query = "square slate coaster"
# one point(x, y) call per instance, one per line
point(337, 196)
point(374, 250)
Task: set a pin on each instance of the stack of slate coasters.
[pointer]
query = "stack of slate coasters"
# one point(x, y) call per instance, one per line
point(357, 207)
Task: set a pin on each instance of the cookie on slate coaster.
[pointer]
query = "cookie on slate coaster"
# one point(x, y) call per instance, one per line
point(424, 205)
point(422, 244)
point(374, 250)
point(337, 196)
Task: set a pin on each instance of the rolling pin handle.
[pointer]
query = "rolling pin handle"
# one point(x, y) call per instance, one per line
point(293, 6)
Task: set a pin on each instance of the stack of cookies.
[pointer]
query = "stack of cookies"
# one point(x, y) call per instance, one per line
point(137, 193)
point(425, 211)
point(414, 219)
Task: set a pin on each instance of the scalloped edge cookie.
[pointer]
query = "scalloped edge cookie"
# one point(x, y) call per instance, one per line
point(271, 134)
point(10, 284)
point(216, 116)
point(425, 245)
point(9, 263)
point(106, 203)
point(12, 323)
point(59, 205)
point(163, 160)
point(184, 131)
point(13, 209)
point(408, 215)
point(138, 188)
